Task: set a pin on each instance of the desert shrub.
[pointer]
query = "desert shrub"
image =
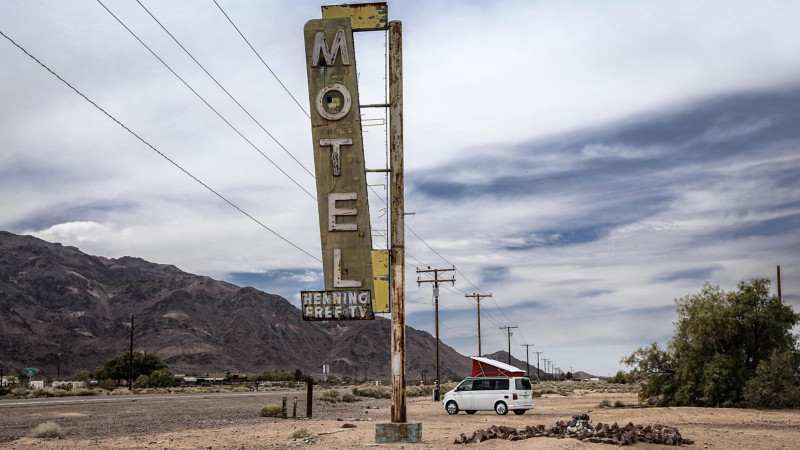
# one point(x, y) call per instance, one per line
point(47, 430)
point(331, 395)
point(241, 389)
point(143, 381)
point(81, 392)
point(619, 404)
point(301, 433)
point(19, 391)
point(350, 398)
point(108, 385)
point(604, 404)
point(60, 393)
point(271, 411)
point(372, 391)
point(39, 393)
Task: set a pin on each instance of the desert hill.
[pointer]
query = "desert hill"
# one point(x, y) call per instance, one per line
point(55, 298)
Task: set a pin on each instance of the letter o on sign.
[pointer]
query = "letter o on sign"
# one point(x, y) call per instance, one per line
point(345, 108)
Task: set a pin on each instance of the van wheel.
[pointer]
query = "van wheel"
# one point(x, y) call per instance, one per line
point(470, 412)
point(452, 408)
point(519, 412)
point(501, 409)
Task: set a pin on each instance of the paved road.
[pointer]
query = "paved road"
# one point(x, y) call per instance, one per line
point(133, 398)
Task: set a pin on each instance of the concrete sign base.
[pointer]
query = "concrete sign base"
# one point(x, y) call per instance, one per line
point(390, 432)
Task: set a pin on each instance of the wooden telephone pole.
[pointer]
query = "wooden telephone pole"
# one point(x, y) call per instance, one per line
point(528, 359)
point(436, 280)
point(479, 297)
point(508, 329)
point(779, 283)
point(130, 360)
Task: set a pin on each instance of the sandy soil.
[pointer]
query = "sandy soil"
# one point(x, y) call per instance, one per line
point(716, 429)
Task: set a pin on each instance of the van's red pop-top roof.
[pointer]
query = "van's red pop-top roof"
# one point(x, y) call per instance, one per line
point(485, 367)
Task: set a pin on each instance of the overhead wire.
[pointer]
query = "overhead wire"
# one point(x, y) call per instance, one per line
point(206, 103)
point(225, 90)
point(262, 59)
point(159, 152)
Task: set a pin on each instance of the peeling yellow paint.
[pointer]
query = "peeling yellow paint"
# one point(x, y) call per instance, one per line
point(363, 16)
point(380, 269)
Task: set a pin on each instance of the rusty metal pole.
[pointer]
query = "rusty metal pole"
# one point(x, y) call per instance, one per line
point(130, 360)
point(779, 283)
point(309, 396)
point(398, 222)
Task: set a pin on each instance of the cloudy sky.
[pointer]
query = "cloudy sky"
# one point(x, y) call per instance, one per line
point(585, 162)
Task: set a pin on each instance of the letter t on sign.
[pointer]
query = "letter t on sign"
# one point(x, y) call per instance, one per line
point(335, 157)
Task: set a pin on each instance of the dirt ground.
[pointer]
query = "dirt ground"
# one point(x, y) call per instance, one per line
point(231, 423)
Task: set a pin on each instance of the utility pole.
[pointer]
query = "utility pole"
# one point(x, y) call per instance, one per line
point(436, 280)
point(508, 329)
point(130, 360)
point(58, 371)
point(398, 255)
point(528, 358)
point(538, 374)
point(478, 297)
point(779, 283)
point(365, 372)
point(546, 361)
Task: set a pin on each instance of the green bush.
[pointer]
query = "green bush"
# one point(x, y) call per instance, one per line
point(729, 349)
point(162, 378)
point(108, 385)
point(143, 381)
point(776, 382)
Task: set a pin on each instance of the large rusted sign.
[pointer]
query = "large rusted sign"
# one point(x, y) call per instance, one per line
point(339, 158)
point(336, 305)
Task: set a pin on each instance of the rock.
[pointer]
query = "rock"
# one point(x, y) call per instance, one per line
point(349, 425)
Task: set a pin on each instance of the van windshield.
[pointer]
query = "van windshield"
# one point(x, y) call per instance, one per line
point(523, 384)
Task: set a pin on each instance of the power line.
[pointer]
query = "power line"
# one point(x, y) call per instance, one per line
point(262, 60)
point(204, 101)
point(157, 151)
point(225, 90)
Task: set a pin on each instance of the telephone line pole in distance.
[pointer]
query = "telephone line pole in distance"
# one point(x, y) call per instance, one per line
point(508, 329)
point(479, 297)
point(436, 280)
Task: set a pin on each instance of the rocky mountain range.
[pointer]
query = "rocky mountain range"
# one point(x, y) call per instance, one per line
point(55, 299)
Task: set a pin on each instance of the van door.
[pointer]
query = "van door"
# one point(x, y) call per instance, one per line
point(464, 395)
point(486, 393)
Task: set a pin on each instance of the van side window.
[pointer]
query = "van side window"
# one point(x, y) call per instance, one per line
point(501, 385)
point(523, 384)
point(482, 385)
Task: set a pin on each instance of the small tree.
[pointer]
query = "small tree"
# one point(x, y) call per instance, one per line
point(298, 375)
point(117, 368)
point(162, 379)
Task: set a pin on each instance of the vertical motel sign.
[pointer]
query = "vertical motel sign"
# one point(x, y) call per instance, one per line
point(341, 175)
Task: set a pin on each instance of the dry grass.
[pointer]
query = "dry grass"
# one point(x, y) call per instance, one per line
point(619, 404)
point(604, 404)
point(301, 433)
point(331, 396)
point(47, 430)
point(271, 411)
point(372, 391)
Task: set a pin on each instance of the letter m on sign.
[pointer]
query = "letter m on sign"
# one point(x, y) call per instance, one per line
point(321, 49)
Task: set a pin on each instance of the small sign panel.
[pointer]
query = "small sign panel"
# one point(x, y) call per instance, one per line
point(30, 370)
point(380, 270)
point(363, 16)
point(337, 305)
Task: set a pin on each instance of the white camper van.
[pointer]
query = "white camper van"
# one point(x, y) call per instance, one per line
point(498, 394)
